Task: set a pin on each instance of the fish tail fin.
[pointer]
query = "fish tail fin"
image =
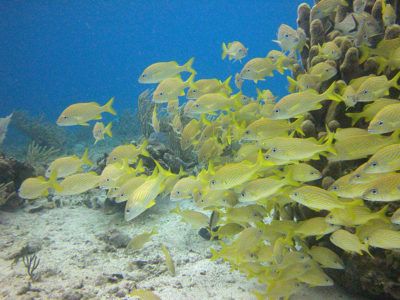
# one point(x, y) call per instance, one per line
point(224, 51)
point(188, 66)
point(108, 107)
point(293, 84)
point(139, 167)
point(107, 130)
point(395, 136)
point(394, 81)
point(289, 178)
point(189, 81)
point(383, 3)
point(365, 53)
point(143, 149)
point(354, 117)
point(329, 142)
point(331, 94)
point(236, 99)
point(365, 249)
point(296, 125)
point(163, 172)
point(356, 202)
point(382, 64)
point(85, 158)
point(382, 213)
point(53, 181)
point(279, 65)
point(226, 85)
point(259, 94)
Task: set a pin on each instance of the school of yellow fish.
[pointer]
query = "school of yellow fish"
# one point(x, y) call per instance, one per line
point(254, 161)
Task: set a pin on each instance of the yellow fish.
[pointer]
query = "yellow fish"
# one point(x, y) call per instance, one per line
point(144, 196)
point(316, 277)
point(302, 172)
point(386, 120)
point(384, 189)
point(238, 81)
point(68, 165)
point(210, 149)
point(297, 104)
point(128, 152)
point(36, 187)
point(234, 50)
point(194, 218)
point(385, 160)
point(78, 183)
point(326, 258)
point(330, 50)
point(138, 241)
point(315, 227)
point(189, 133)
point(345, 188)
point(207, 86)
point(326, 7)
point(171, 88)
point(384, 238)
point(370, 110)
point(144, 295)
point(207, 199)
point(155, 123)
point(388, 14)
point(354, 216)
point(234, 174)
point(319, 199)
point(348, 242)
point(99, 131)
point(122, 193)
point(290, 39)
point(82, 113)
point(157, 72)
point(168, 260)
point(323, 70)
point(185, 188)
point(228, 230)
point(210, 103)
point(112, 173)
point(176, 123)
point(376, 87)
point(257, 69)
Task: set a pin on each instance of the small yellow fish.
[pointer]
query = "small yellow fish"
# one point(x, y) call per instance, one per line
point(324, 71)
point(316, 277)
point(325, 7)
point(207, 86)
point(128, 152)
point(68, 165)
point(348, 242)
point(326, 257)
point(155, 123)
point(99, 131)
point(194, 218)
point(228, 230)
point(176, 123)
point(330, 50)
point(234, 174)
point(376, 87)
point(238, 81)
point(138, 241)
point(189, 133)
point(168, 260)
point(207, 199)
point(370, 110)
point(82, 113)
point(344, 187)
point(315, 227)
point(386, 120)
point(157, 72)
point(319, 199)
point(290, 39)
point(78, 183)
point(123, 193)
point(171, 88)
point(36, 187)
point(303, 172)
point(112, 173)
point(354, 216)
point(385, 160)
point(297, 104)
point(210, 103)
point(245, 214)
point(384, 238)
point(368, 228)
point(234, 50)
point(144, 295)
point(384, 189)
point(257, 69)
point(144, 196)
point(185, 188)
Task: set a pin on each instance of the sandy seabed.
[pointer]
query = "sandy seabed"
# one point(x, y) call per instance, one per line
point(80, 246)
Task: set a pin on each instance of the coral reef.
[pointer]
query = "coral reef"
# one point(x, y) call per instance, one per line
point(145, 109)
point(39, 156)
point(3, 127)
point(44, 133)
point(12, 174)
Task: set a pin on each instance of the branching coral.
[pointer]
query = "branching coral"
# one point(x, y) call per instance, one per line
point(38, 156)
point(31, 263)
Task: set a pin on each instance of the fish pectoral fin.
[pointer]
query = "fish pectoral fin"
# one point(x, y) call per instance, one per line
point(151, 203)
point(84, 124)
point(98, 117)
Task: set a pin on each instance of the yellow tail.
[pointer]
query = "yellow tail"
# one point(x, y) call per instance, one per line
point(107, 130)
point(85, 158)
point(188, 66)
point(224, 51)
point(108, 107)
point(226, 85)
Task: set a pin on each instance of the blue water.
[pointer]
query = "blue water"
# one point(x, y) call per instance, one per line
point(55, 53)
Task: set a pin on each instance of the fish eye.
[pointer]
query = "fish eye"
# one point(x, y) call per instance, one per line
point(161, 93)
point(242, 194)
point(178, 192)
point(114, 158)
point(357, 176)
point(365, 92)
point(65, 117)
point(380, 123)
point(197, 105)
point(194, 91)
point(335, 188)
point(267, 156)
point(326, 70)
point(128, 210)
point(247, 132)
point(123, 195)
point(144, 75)
point(295, 194)
point(374, 164)
point(240, 50)
point(374, 191)
point(274, 150)
point(108, 179)
point(213, 182)
point(247, 70)
point(312, 173)
point(277, 110)
point(286, 35)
